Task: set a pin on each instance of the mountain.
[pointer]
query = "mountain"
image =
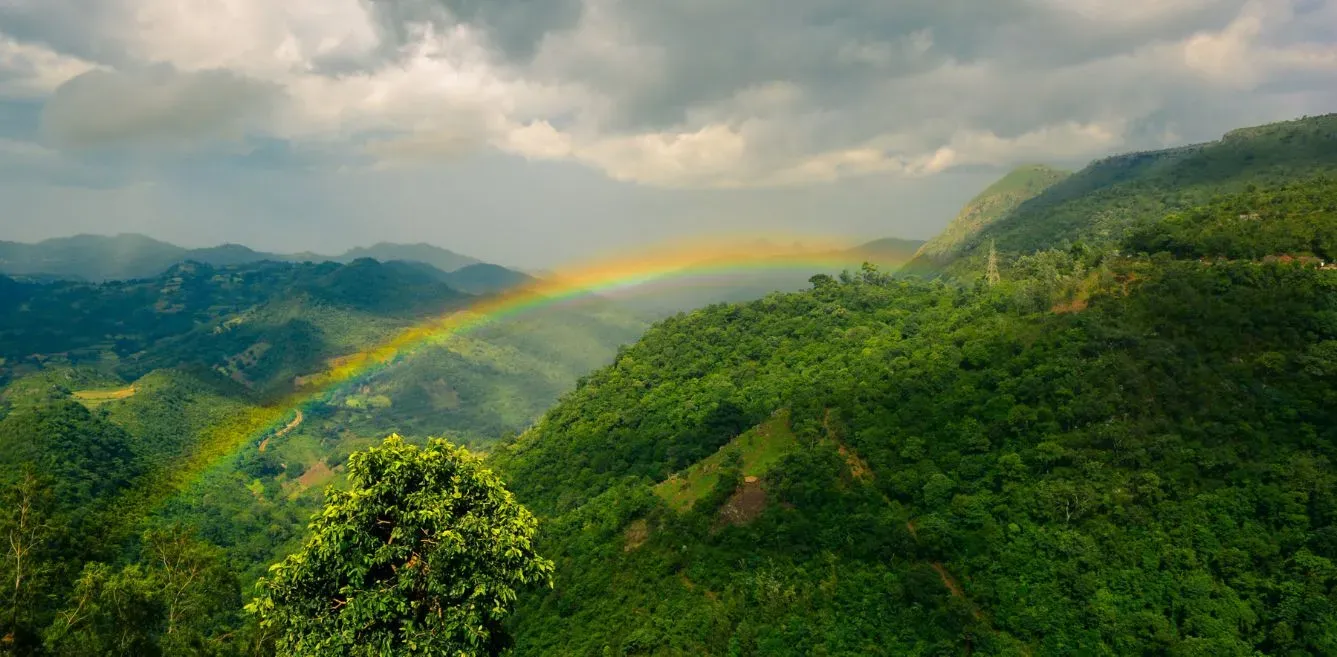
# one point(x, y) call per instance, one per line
point(230, 254)
point(485, 278)
point(259, 323)
point(996, 201)
point(90, 257)
point(131, 256)
point(1095, 446)
point(442, 259)
point(1103, 202)
point(888, 252)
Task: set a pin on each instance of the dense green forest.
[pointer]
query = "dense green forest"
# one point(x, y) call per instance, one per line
point(967, 470)
point(1105, 426)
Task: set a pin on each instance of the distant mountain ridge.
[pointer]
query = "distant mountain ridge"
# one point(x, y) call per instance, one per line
point(130, 256)
point(1104, 202)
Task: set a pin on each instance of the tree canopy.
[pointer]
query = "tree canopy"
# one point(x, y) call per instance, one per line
point(423, 554)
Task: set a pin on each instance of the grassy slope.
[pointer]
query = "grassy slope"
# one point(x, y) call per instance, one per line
point(759, 449)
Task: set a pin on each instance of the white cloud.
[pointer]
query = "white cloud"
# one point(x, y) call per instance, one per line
point(29, 70)
point(680, 95)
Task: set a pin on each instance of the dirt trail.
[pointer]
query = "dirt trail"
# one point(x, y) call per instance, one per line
point(296, 422)
point(948, 581)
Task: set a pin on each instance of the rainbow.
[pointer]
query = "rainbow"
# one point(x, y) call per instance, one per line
point(686, 263)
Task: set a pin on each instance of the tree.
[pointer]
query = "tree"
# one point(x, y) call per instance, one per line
point(174, 601)
point(26, 534)
point(423, 555)
point(109, 613)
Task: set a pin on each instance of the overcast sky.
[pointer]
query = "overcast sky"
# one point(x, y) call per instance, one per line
point(535, 132)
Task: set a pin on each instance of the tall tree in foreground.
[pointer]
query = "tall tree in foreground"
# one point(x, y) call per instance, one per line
point(422, 555)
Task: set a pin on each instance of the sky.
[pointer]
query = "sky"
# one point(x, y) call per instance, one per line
point(540, 132)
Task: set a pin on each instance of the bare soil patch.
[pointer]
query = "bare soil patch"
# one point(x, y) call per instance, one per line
point(637, 532)
point(744, 505)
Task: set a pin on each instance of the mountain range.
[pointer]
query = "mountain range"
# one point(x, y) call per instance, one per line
point(127, 256)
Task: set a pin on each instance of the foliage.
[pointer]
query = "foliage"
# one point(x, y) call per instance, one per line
point(173, 602)
point(1149, 474)
point(422, 555)
point(1294, 219)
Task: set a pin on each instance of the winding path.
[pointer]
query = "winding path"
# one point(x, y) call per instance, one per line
point(296, 422)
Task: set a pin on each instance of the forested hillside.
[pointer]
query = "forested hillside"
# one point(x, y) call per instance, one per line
point(1102, 203)
point(113, 392)
point(1098, 455)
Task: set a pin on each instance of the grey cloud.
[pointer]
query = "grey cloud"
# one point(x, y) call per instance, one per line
point(157, 105)
point(72, 27)
point(516, 27)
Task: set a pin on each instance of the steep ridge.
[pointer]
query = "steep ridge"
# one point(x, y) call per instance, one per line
point(1101, 204)
point(995, 202)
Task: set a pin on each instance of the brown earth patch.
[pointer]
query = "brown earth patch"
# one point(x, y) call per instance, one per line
point(636, 533)
point(955, 588)
point(858, 467)
point(315, 474)
point(744, 505)
point(1075, 306)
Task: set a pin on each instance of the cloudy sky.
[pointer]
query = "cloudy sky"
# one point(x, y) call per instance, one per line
point(534, 132)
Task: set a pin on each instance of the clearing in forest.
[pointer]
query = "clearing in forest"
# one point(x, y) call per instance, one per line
point(97, 397)
point(760, 447)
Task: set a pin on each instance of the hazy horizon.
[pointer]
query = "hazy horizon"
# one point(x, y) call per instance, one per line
point(547, 135)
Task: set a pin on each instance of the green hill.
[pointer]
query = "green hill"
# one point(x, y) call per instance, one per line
point(484, 278)
point(969, 471)
point(1102, 203)
point(262, 323)
point(996, 201)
